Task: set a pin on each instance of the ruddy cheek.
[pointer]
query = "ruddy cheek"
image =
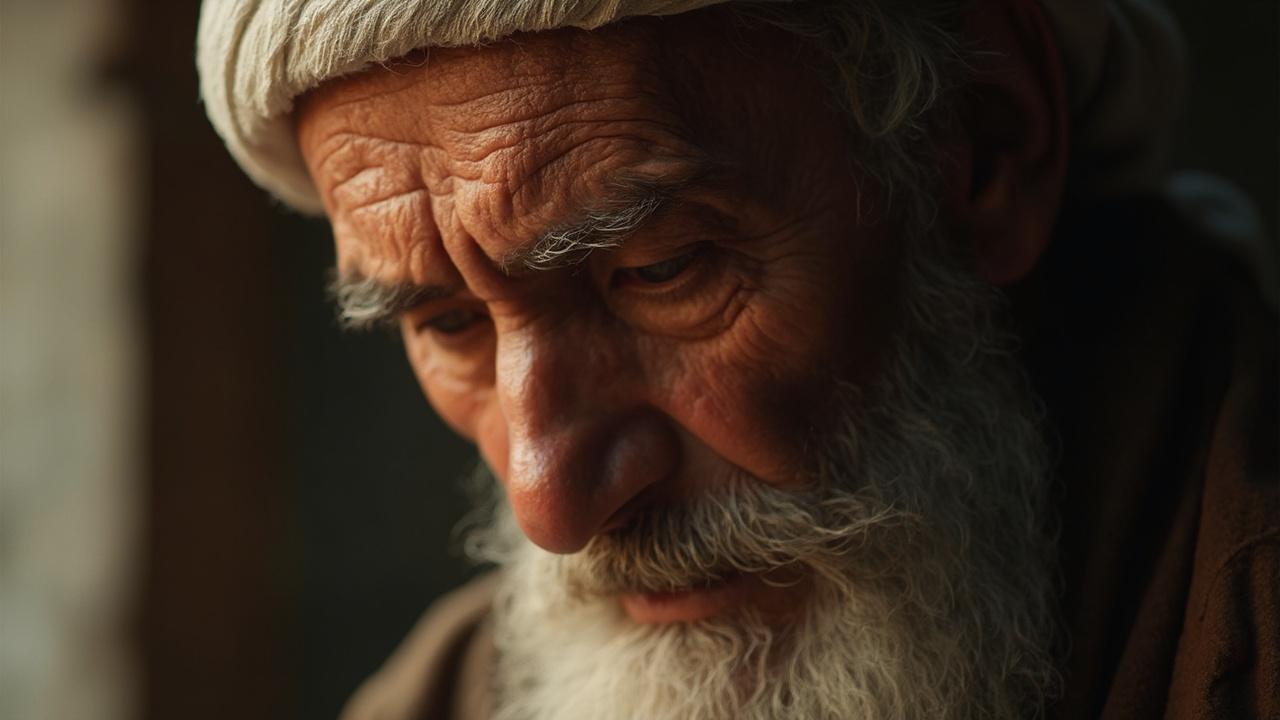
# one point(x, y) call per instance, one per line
point(740, 414)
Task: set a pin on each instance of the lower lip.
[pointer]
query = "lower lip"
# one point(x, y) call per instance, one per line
point(684, 605)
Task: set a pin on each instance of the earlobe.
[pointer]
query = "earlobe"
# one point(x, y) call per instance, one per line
point(1009, 171)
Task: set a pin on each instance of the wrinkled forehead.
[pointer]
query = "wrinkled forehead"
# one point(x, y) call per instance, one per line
point(492, 146)
point(496, 143)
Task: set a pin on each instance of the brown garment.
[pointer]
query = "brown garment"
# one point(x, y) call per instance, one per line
point(1156, 361)
point(439, 670)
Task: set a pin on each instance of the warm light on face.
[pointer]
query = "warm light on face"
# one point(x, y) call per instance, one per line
point(733, 418)
point(619, 290)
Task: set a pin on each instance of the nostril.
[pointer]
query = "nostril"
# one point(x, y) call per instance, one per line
point(629, 509)
point(643, 456)
point(567, 487)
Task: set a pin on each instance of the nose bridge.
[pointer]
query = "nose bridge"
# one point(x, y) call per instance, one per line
point(555, 372)
point(576, 425)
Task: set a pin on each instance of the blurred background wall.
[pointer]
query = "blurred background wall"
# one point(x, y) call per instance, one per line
point(213, 503)
point(72, 353)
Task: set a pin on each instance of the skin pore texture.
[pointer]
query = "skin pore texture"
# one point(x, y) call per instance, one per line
point(763, 451)
point(588, 390)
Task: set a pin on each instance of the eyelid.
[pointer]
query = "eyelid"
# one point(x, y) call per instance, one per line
point(701, 269)
point(643, 254)
point(677, 267)
point(434, 321)
point(419, 319)
point(703, 300)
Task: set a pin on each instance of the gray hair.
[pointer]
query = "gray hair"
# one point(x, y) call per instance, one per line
point(925, 529)
point(601, 227)
point(1124, 62)
point(256, 58)
point(892, 67)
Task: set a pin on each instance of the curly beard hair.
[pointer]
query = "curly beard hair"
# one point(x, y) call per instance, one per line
point(924, 535)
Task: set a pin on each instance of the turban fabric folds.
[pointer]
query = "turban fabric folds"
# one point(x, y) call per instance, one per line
point(255, 57)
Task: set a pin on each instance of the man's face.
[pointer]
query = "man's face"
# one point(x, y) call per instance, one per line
point(772, 450)
point(641, 260)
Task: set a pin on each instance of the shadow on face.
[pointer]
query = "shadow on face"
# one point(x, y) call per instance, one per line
point(709, 275)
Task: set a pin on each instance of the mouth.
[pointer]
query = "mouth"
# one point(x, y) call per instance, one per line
point(685, 605)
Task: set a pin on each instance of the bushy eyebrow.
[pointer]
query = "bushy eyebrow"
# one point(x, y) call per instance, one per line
point(604, 226)
point(365, 303)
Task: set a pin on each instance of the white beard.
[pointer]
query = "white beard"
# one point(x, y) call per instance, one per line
point(925, 538)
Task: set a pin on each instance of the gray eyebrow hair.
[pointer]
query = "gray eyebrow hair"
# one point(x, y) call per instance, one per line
point(365, 303)
point(601, 227)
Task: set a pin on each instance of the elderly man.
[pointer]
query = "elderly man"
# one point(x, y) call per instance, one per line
point(803, 397)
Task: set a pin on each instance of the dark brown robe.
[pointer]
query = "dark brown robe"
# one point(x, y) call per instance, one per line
point(1156, 360)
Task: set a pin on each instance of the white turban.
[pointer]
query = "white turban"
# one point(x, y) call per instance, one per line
point(1123, 61)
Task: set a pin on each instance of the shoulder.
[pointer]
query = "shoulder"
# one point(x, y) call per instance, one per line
point(1228, 662)
point(1154, 347)
point(426, 677)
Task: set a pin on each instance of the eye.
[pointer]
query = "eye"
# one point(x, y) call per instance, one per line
point(664, 271)
point(453, 322)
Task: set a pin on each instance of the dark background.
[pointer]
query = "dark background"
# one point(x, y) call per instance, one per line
point(301, 494)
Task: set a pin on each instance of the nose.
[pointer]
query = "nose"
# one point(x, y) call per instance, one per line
point(582, 443)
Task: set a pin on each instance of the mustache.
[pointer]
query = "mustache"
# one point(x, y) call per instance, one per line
point(744, 527)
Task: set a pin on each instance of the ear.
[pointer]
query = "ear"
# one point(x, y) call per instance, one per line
point(1004, 188)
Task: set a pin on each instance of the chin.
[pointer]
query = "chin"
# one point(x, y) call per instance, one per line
point(922, 545)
